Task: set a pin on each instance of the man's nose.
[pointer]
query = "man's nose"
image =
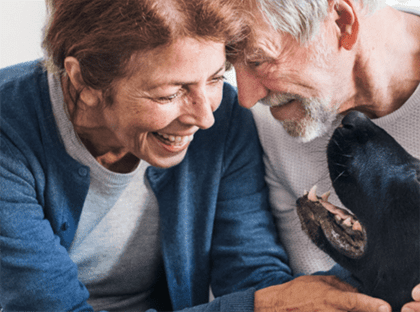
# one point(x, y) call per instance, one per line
point(250, 89)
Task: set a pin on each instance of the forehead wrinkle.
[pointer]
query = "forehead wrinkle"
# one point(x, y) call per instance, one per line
point(275, 48)
point(264, 49)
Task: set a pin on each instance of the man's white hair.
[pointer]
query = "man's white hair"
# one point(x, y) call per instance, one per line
point(302, 18)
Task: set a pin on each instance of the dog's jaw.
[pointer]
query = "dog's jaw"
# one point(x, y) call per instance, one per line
point(331, 227)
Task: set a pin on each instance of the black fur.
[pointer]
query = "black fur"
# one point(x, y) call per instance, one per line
point(378, 181)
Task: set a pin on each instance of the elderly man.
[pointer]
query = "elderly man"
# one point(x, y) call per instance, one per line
point(311, 62)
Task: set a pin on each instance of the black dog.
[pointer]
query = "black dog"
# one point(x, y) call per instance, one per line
point(375, 178)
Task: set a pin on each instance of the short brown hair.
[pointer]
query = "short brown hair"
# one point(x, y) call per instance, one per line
point(103, 35)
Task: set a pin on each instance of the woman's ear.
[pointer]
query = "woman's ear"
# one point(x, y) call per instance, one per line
point(347, 22)
point(87, 95)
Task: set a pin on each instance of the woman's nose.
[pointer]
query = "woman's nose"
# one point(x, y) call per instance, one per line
point(199, 110)
point(250, 89)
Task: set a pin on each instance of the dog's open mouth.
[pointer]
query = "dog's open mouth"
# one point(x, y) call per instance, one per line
point(324, 221)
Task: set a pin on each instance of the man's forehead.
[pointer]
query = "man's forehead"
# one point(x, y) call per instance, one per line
point(265, 46)
point(265, 41)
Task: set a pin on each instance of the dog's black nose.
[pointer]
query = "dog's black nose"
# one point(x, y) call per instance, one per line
point(353, 119)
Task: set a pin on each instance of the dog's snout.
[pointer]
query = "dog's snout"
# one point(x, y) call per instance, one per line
point(353, 119)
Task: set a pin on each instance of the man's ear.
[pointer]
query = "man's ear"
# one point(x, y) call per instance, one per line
point(347, 22)
point(87, 95)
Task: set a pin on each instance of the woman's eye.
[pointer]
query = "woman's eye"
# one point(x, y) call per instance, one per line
point(167, 99)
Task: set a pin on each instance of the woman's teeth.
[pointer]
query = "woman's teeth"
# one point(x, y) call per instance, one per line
point(176, 139)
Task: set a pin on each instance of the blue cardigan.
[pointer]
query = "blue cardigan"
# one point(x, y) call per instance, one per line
point(216, 227)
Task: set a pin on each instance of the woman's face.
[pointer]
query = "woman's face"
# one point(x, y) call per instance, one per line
point(174, 92)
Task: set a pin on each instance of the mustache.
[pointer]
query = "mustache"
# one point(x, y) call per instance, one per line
point(317, 109)
point(279, 99)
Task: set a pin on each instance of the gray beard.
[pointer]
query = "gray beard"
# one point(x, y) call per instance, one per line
point(317, 122)
point(318, 119)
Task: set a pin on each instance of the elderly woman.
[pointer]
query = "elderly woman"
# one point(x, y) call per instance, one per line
point(127, 182)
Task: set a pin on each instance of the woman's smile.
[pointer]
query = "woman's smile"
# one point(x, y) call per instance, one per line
point(173, 143)
point(176, 140)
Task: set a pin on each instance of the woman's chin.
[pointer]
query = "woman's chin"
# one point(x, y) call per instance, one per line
point(167, 162)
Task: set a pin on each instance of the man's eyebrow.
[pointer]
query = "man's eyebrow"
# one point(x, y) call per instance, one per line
point(219, 70)
point(258, 54)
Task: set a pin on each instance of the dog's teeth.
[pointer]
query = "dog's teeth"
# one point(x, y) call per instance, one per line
point(357, 226)
point(337, 218)
point(325, 196)
point(312, 194)
point(347, 222)
point(305, 192)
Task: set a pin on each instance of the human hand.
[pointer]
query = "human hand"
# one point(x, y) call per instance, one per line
point(316, 293)
point(413, 306)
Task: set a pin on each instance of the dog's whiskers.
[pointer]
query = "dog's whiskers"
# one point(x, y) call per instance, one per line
point(342, 172)
point(336, 143)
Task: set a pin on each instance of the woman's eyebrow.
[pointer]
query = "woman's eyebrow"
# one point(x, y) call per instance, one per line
point(183, 83)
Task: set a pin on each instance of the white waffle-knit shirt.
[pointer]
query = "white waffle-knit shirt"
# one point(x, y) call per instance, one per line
point(292, 167)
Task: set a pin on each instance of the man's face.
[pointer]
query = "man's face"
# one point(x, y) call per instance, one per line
point(302, 83)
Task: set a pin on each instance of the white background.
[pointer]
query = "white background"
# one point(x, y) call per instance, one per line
point(21, 22)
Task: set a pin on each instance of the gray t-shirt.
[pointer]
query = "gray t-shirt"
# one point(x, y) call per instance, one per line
point(116, 246)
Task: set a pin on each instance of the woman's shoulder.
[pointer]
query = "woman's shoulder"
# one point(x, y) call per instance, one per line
point(27, 121)
point(20, 72)
point(22, 86)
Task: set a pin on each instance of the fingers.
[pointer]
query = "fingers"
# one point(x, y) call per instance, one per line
point(337, 283)
point(416, 293)
point(316, 293)
point(411, 307)
point(356, 302)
